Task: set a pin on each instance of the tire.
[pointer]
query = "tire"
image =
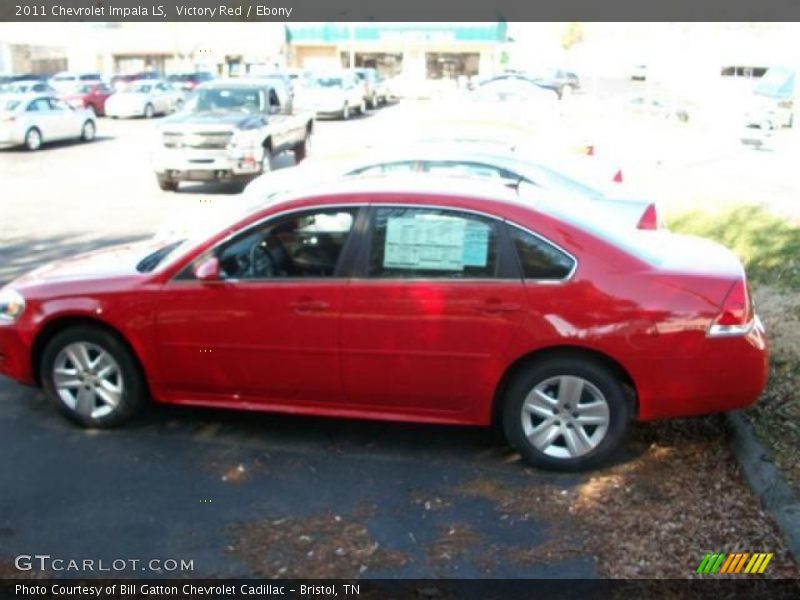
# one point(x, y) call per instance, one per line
point(602, 398)
point(33, 139)
point(373, 102)
point(266, 163)
point(345, 112)
point(100, 382)
point(149, 111)
point(166, 184)
point(302, 150)
point(362, 108)
point(88, 131)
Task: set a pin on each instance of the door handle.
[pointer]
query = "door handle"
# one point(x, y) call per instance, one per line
point(307, 305)
point(497, 307)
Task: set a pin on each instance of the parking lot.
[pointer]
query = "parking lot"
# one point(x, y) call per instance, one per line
point(245, 494)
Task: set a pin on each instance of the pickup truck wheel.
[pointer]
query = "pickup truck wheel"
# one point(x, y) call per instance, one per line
point(266, 164)
point(166, 184)
point(362, 108)
point(346, 111)
point(302, 149)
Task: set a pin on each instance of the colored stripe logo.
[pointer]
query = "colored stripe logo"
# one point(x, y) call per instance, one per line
point(746, 562)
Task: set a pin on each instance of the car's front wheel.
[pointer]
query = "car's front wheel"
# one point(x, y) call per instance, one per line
point(149, 111)
point(92, 377)
point(566, 413)
point(88, 131)
point(33, 139)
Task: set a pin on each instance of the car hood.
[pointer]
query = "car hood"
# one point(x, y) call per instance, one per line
point(217, 117)
point(107, 263)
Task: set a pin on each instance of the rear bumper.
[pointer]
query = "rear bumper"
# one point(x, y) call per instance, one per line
point(729, 373)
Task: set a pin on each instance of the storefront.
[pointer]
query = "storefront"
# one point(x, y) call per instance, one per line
point(413, 50)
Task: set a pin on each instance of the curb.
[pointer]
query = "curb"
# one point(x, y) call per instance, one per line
point(765, 480)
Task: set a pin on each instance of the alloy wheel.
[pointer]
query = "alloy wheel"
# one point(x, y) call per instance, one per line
point(88, 380)
point(565, 416)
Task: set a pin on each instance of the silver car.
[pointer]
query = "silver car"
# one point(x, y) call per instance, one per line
point(146, 98)
point(544, 182)
point(31, 120)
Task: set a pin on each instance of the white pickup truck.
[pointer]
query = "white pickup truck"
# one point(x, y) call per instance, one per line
point(229, 131)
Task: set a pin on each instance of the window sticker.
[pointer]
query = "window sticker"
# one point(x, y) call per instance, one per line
point(425, 242)
point(476, 244)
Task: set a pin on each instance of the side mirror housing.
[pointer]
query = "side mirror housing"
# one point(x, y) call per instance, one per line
point(208, 270)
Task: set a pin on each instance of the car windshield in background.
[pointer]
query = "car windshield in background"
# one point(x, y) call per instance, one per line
point(328, 82)
point(241, 99)
point(140, 89)
point(776, 82)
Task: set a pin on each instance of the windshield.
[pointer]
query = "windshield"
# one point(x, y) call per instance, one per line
point(141, 88)
point(240, 99)
point(10, 105)
point(776, 82)
point(328, 82)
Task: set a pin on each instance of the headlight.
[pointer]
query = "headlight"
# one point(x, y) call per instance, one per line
point(12, 305)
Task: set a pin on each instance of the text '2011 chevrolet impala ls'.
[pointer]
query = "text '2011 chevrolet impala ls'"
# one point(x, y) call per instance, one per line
point(428, 301)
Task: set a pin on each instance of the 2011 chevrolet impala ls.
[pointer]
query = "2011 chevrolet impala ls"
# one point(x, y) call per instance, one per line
point(429, 301)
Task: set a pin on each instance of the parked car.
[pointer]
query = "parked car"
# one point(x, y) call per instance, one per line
point(562, 82)
point(146, 98)
point(772, 103)
point(123, 80)
point(188, 81)
point(66, 79)
point(28, 86)
point(470, 160)
point(375, 87)
point(340, 94)
point(403, 301)
point(31, 120)
point(88, 95)
point(229, 130)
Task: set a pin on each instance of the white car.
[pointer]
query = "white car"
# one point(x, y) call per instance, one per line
point(145, 98)
point(31, 120)
point(339, 94)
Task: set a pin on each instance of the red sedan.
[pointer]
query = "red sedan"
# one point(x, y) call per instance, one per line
point(90, 95)
point(427, 301)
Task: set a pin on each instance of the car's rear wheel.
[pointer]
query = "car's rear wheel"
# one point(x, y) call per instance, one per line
point(362, 108)
point(149, 111)
point(88, 131)
point(166, 184)
point(566, 413)
point(92, 377)
point(33, 139)
point(346, 111)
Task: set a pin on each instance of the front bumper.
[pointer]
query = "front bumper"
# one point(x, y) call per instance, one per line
point(209, 165)
point(15, 355)
point(124, 111)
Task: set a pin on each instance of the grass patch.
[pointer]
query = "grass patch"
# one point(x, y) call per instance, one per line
point(767, 245)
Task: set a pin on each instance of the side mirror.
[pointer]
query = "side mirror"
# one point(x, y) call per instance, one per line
point(208, 270)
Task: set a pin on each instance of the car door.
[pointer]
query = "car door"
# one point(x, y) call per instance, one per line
point(426, 328)
point(280, 123)
point(268, 330)
point(66, 123)
point(38, 114)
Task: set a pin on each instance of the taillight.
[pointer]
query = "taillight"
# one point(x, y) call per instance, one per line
point(649, 218)
point(735, 314)
point(617, 176)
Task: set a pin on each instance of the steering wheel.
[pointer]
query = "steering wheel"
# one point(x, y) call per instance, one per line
point(262, 263)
